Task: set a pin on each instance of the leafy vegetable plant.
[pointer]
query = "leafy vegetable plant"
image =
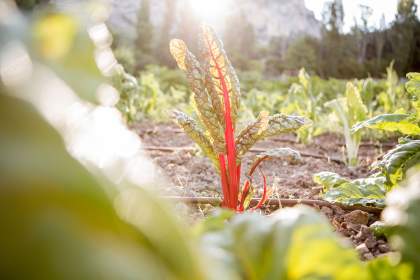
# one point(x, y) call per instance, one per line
point(366, 191)
point(144, 97)
point(350, 110)
point(303, 100)
point(398, 160)
point(216, 90)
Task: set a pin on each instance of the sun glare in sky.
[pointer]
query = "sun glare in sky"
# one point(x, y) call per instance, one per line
point(210, 10)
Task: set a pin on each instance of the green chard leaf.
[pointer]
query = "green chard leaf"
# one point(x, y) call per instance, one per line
point(291, 243)
point(366, 191)
point(402, 123)
point(396, 162)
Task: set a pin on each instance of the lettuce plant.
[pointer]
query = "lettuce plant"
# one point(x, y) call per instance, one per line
point(216, 90)
point(350, 110)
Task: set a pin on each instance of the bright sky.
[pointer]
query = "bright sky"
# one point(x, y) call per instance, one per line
point(352, 9)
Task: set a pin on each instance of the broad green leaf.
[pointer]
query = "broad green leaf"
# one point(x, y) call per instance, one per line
point(402, 214)
point(292, 243)
point(214, 222)
point(383, 267)
point(391, 122)
point(367, 191)
point(396, 162)
point(59, 223)
point(329, 179)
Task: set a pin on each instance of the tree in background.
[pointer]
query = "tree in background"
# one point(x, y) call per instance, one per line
point(332, 47)
point(188, 26)
point(162, 50)
point(380, 38)
point(240, 40)
point(404, 36)
point(366, 13)
point(143, 43)
point(303, 52)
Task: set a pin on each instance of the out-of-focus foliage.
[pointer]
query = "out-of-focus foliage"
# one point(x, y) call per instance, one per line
point(290, 244)
point(60, 221)
point(350, 110)
point(396, 162)
point(152, 95)
point(367, 191)
point(402, 123)
point(403, 215)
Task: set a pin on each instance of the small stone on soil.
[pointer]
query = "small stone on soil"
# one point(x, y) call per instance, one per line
point(362, 249)
point(357, 217)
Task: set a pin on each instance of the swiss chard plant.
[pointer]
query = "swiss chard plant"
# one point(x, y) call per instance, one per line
point(350, 110)
point(392, 168)
point(303, 100)
point(216, 90)
point(397, 161)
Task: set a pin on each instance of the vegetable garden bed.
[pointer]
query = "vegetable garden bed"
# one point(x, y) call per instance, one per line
point(193, 180)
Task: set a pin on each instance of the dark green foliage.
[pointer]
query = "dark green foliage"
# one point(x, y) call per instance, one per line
point(145, 32)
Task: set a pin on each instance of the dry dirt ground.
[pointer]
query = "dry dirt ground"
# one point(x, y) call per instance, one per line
point(191, 174)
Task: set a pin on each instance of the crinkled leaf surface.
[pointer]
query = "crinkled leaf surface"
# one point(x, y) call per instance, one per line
point(220, 72)
point(367, 191)
point(397, 161)
point(329, 179)
point(391, 122)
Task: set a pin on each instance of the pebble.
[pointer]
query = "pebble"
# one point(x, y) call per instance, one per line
point(362, 249)
point(357, 217)
point(383, 248)
point(370, 242)
point(368, 256)
point(327, 211)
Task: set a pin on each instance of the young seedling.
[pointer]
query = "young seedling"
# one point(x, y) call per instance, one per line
point(216, 90)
